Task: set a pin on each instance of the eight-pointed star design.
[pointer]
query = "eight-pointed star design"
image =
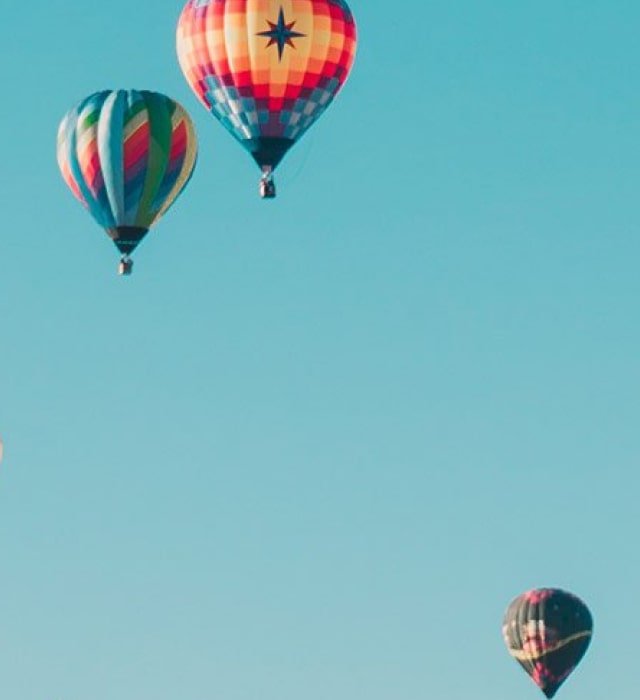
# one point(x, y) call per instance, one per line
point(281, 33)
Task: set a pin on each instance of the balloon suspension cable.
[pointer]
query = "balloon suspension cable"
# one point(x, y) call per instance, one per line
point(267, 183)
point(125, 266)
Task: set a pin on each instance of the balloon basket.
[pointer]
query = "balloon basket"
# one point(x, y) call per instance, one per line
point(267, 184)
point(125, 266)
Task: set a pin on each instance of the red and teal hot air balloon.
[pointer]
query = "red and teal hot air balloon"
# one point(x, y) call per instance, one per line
point(548, 632)
point(127, 155)
point(266, 69)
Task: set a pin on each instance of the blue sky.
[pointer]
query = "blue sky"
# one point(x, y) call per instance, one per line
point(313, 447)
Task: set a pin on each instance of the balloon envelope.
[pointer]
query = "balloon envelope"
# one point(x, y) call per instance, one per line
point(127, 155)
point(547, 631)
point(266, 69)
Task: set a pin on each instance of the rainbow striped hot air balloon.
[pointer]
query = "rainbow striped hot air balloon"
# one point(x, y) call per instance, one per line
point(266, 69)
point(127, 155)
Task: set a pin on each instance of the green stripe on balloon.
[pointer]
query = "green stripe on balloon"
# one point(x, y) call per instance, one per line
point(159, 145)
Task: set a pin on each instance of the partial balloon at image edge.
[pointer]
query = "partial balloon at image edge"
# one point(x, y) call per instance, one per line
point(547, 631)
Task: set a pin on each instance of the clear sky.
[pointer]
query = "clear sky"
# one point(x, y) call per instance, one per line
point(313, 447)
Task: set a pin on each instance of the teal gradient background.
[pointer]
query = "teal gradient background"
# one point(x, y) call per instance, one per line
point(313, 447)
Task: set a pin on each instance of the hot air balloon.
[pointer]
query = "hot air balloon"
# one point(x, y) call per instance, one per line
point(127, 155)
point(266, 69)
point(547, 631)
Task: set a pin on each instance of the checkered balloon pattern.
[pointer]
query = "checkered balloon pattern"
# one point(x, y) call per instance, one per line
point(127, 155)
point(266, 69)
point(547, 631)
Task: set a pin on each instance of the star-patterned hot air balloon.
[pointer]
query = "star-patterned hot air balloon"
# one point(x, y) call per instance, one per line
point(266, 69)
point(547, 631)
point(127, 155)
